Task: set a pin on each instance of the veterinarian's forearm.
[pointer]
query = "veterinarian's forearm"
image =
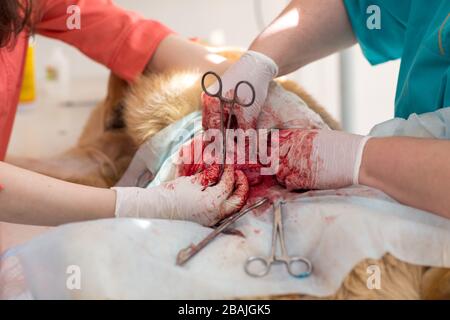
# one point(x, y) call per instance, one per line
point(413, 171)
point(305, 31)
point(177, 53)
point(30, 198)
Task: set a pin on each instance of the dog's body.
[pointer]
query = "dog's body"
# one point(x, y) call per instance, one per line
point(102, 152)
point(129, 116)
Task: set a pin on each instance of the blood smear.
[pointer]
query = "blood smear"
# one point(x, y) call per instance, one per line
point(302, 173)
point(260, 185)
point(210, 176)
point(193, 166)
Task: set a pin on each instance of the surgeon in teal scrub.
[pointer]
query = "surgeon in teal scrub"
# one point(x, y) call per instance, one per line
point(414, 171)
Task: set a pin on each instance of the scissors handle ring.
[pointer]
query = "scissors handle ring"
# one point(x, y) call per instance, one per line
point(236, 94)
point(266, 266)
point(295, 260)
point(218, 94)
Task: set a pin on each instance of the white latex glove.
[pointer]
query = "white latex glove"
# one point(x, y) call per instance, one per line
point(286, 110)
point(187, 198)
point(254, 67)
point(319, 159)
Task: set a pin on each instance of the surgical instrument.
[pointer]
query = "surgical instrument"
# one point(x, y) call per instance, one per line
point(186, 254)
point(227, 101)
point(289, 261)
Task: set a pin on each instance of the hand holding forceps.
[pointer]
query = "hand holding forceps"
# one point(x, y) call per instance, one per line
point(289, 261)
point(227, 101)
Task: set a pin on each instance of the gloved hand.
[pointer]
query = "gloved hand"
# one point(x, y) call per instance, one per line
point(253, 67)
point(284, 109)
point(187, 198)
point(319, 159)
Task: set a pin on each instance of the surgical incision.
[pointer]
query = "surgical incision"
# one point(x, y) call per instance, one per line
point(258, 159)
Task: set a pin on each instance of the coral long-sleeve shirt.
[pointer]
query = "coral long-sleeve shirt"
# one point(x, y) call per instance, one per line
point(121, 40)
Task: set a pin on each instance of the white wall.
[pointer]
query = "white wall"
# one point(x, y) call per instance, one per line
point(372, 92)
point(372, 88)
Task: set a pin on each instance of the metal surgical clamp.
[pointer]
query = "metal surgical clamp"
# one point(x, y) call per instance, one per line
point(226, 101)
point(273, 258)
point(186, 254)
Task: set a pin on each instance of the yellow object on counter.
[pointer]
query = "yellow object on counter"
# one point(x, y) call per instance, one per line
point(28, 91)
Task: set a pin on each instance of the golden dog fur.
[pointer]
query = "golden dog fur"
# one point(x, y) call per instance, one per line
point(103, 151)
point(129, 116)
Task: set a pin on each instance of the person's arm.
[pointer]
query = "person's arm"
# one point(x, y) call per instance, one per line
point(31, 198)
point(413, 171)
point(305, 31)
point(124, 41)
point(167, 57)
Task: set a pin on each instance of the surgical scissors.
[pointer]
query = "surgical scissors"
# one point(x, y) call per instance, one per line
point(289, 261)
point(227, 101)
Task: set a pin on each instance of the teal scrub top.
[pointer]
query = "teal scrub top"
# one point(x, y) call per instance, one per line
point(418, 33)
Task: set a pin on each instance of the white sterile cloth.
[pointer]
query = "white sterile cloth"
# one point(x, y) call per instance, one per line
point(136, 258)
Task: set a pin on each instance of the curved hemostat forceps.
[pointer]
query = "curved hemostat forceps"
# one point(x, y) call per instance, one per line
point(186, 254)
point(290, 262)
point(226, 101)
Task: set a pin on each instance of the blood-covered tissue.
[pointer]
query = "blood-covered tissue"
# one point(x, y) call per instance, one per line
point(268, 186)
